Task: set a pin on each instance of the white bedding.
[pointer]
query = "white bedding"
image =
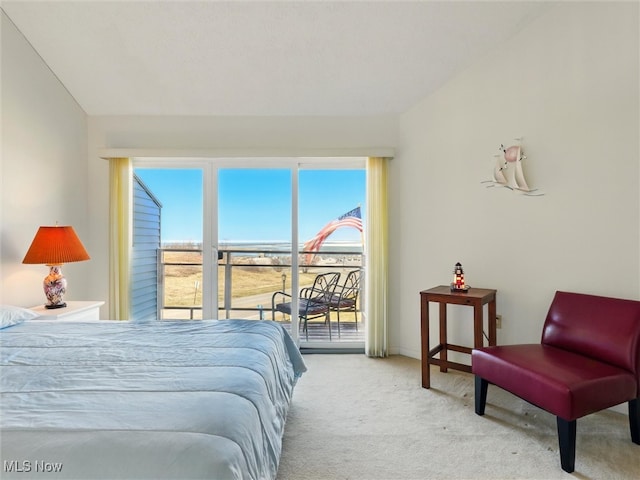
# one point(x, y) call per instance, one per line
point(196, 399)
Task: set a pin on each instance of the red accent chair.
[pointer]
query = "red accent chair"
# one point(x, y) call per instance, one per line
point(588, 360)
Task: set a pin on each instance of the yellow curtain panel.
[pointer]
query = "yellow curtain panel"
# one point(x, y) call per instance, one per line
point(376, 250)
point(120, 236)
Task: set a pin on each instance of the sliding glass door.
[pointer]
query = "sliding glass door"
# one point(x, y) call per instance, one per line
point(167, 252)
point(243, 238)
point(331, 207)
point(254, 217)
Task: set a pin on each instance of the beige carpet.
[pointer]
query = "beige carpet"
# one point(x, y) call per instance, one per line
point(353, 417)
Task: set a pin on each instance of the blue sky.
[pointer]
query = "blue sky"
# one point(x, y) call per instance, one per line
point(255, 203)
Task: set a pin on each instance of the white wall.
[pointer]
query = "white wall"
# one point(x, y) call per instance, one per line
point(568, 84)
point(43, 170)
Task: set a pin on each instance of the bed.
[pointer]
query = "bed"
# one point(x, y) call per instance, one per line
point(107, 399)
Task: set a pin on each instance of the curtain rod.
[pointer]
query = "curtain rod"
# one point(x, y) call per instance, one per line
point(108, 153)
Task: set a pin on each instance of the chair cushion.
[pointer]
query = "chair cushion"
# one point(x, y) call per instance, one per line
point(337, 302)
point(312, 308)
point(561, 382)
point(305, 307)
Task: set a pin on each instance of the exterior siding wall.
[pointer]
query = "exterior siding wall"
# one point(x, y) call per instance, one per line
point(144, 263)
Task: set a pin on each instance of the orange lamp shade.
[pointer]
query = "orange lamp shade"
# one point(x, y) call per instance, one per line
point(55, 246)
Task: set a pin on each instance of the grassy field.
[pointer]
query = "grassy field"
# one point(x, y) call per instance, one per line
point(183, 283)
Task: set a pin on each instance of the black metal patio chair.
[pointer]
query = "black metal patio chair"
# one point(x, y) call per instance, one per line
point(313, 302)
point(345, 298)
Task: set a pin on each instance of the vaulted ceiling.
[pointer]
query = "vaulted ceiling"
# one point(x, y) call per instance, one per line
point(264, 57)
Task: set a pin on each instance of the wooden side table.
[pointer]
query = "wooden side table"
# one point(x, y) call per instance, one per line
point(474, 297)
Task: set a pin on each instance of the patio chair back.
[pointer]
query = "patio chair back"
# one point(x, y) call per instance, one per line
point(345, 298)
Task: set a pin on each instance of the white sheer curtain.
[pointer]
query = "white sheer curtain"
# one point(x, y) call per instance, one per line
point(376, 251)
point(120, 236)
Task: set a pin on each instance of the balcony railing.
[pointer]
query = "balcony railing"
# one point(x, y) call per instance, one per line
point(247, 280)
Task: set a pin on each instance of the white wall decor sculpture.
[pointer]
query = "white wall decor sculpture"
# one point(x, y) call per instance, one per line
point(508, 173)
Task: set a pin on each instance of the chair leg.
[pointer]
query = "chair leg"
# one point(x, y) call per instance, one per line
point(634, 420)
point(481, 394)
point(567, 442)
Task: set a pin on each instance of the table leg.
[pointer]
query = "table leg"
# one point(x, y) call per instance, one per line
point(492, 323)
point(443, 337)
point(477, 326)
point(424, 320)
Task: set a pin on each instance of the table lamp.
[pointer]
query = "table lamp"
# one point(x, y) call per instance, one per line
point(458, 284)
point(55, 246)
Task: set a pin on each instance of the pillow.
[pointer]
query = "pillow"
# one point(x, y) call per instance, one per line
point(11, 315)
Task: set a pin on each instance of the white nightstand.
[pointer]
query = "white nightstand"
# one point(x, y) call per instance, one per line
point(74, 311)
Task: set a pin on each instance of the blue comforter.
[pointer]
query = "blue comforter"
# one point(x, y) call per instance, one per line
point(195, 399)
